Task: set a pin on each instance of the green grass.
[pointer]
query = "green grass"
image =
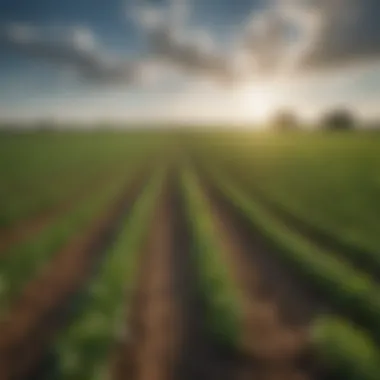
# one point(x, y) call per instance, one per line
point(330, 181)
point(38, 171)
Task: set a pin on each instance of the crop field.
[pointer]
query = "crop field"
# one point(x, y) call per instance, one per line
point(182, 255)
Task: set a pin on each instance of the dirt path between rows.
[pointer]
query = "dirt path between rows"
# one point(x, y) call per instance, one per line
point(276, 309)
point(32, 225)
point(150, 353)
point(44, 306)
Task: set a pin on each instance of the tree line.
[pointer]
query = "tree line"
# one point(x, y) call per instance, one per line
point(335, 120)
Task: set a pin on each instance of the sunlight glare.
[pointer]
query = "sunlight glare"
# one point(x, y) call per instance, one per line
point(257, 101)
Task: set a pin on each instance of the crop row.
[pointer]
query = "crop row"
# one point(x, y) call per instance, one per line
point(220, 296)
point(21, 262)
point(83, 349)
point(355, 294)
point(350, 246)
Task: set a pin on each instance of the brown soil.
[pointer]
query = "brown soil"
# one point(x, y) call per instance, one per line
point(151, 349)
point(276, 310)
point(32, 323)
point(32, 225)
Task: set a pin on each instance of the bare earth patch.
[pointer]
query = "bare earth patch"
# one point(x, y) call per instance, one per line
point(150, 352)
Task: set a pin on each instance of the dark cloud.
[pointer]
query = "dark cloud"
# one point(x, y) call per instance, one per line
point(74, 48)
point(194, 55)
point(310, 35)
point(350, 34)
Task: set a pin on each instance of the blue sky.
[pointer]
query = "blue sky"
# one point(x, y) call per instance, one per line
point(178, 59)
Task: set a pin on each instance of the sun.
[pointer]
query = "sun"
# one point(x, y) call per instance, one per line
point(257, 101)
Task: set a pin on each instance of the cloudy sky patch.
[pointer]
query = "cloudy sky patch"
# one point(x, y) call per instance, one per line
point(154, 49)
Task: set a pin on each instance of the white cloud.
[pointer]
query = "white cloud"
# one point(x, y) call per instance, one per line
point(83, 39)
point(146, 17)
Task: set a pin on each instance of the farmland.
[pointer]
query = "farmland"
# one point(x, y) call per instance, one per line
point(207, 254)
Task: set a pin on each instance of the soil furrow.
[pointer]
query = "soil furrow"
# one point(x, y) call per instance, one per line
point(46, 303)
point(151, 349)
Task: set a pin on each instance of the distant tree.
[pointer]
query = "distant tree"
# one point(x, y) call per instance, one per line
point(339, 120)
point(285, 120)
point(43, 125)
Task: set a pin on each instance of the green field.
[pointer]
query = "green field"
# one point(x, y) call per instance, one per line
point(286, 222)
